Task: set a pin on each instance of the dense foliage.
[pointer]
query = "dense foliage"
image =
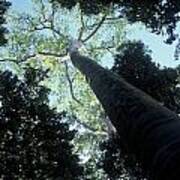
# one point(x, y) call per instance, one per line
point(134, 63)
point(4, 5)
point(117, 163)
point(35, 141)
point(161, 17)
point(157, 15)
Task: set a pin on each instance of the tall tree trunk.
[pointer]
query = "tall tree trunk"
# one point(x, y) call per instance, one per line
point(149, 130)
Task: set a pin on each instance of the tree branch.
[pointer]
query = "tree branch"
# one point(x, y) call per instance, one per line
point(16, 61)
point(42, 9)
point(45, 22)
point(70, 84)
point(52, 54)
point(82, 27)
point(26, 57)
point(8, 59)
point(113, 18)
point(96, 29)
point(86, 126)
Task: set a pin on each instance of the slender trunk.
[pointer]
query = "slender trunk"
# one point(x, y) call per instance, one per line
point(149, 130)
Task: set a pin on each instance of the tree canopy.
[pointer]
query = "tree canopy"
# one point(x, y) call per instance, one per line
point(161, 17)
point(157, 15)
point(4, 5)
point(34, 139)
point(133, 62)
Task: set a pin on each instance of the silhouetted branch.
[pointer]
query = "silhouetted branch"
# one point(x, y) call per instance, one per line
point(52, 54)
point(18, 61)
point(96, 29)
point(82, 27)
point(86, 126)
point(43, 9)
point(45, 22)
point(70, 84)
point(8, 59)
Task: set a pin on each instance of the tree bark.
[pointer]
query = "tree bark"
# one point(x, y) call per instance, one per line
point(147, 129)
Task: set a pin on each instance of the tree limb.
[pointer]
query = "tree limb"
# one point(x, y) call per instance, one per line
point(70, 84)
point(86, 126)
point(45, 23)
point(52, 54)
point(42, 9)
point(16, 61)
point(96, 29)
point(82, 27)
point(8, 59)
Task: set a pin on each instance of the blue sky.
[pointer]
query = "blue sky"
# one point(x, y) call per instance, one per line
point(161, 52)
point(22, 5)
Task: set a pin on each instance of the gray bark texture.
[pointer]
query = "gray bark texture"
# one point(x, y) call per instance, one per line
point(147, 129)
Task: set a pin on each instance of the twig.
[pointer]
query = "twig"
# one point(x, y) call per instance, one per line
point(43, 27)
point(96, 29)
point(8, 59)
point(43, 9)
point(26, 57)
point(91, 129)
point(82, 27)
point(52, 54)
point(70, 84)
point(113, 18)
point(45, 23)
point(16, 61)
point(86, 126)
point(102, 47)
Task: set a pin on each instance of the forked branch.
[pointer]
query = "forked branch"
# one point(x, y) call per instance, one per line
point(96, 29)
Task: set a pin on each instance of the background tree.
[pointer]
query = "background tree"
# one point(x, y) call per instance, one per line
point(133, 62)
point(117, 163)
point(35, 141)
point(4, 5)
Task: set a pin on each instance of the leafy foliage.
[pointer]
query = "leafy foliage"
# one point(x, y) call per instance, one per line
point(160, 16)
point(155, 15)
point(35, 141)
point(4, 5)
point(118, 163)
point(134, 63)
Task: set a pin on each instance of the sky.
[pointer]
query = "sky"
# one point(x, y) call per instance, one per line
point(161, 52)
point(22, 5)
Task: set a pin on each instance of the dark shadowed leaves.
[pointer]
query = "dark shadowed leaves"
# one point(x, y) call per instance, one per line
point(4, 5)
point(134, 63)
point(160, 16)
point(34, 142)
